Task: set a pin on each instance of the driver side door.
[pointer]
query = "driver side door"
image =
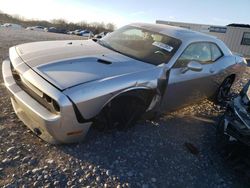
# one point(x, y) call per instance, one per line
point(188, 86)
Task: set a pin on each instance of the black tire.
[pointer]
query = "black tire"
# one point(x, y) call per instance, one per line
point(121, 114)
point(223, 93)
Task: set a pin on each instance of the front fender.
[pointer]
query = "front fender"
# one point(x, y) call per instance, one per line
point(91, 97)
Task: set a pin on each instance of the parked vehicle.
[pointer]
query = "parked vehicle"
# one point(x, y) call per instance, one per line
point(77, 31)
point(100, 35)
point(235, 124)
point(71, 32)
point(35, 28)
point(61, 88)
point(55, 30)
point(85, 33)
point(12, 25)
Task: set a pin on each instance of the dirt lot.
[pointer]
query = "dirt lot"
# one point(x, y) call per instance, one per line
point(152, 154)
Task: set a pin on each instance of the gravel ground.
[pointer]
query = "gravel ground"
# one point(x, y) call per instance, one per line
point(177, 150)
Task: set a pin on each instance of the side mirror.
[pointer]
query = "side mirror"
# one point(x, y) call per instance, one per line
point(193, 66)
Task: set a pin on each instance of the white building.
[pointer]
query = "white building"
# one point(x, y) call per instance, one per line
point(236, 36)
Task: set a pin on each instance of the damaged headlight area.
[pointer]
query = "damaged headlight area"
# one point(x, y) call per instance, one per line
point(37, 94)
point(53, 105)
point(245, 96)
point(236, 122)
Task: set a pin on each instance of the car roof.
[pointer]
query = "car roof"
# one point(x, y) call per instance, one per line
point(176, 32)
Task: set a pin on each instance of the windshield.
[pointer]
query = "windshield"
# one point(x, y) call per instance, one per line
point(141, 44)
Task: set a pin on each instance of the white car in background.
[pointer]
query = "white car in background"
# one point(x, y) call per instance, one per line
point(35, 28)
point(11, 25)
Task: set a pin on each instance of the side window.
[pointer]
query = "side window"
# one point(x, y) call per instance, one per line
point(245, 38)
point(195, 52)
point(216, 52)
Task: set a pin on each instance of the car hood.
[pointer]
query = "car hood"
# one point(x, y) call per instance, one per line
point(68, 63)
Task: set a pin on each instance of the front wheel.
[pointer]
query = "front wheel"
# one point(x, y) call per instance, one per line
point(121, 114)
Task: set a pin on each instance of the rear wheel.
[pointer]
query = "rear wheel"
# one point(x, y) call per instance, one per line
point(121, 114)
point(224, 90)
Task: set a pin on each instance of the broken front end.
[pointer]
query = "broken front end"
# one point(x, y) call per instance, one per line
point(235, 124)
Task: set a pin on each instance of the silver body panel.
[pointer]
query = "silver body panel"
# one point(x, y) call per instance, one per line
point(70, 73)
point(54, 127)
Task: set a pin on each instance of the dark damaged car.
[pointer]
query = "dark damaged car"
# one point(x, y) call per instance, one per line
point(235, 124)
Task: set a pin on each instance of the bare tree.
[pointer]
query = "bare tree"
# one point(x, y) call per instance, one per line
point(110, 26)
point(95, 27)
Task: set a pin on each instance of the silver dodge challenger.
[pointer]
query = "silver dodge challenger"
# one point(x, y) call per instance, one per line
point(61, 88)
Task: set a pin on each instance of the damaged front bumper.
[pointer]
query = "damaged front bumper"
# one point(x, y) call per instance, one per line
point(54, 128)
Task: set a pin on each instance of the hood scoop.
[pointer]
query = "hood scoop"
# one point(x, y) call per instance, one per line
point(104, 61)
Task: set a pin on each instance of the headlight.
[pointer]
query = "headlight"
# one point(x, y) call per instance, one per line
point(47, 98)
point(56, 106)
point(52, 104)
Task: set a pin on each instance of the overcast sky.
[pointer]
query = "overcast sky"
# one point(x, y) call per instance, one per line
point(216, 12)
